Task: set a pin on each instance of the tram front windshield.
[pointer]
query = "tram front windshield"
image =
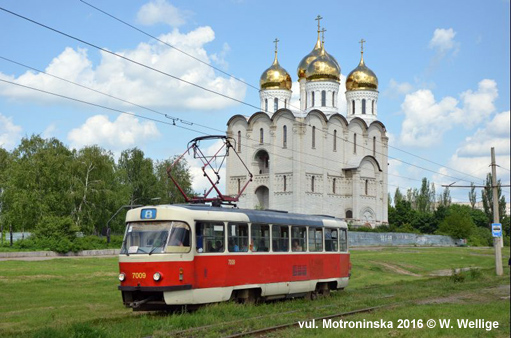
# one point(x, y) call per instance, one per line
point(156, 237)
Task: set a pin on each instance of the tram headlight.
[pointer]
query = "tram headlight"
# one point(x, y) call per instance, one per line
point(157, 276)
point(122, 277)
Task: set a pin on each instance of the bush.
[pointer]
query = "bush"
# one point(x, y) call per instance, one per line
point(64, 245)
point(56, 227)
point(480, 237)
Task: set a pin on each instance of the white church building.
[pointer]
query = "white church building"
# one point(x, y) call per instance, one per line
point(312, 159)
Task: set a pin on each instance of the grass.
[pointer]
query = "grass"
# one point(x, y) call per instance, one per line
point(79, 298)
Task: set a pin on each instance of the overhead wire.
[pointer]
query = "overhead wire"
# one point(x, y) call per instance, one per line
point(252, 86)
point(201, 87)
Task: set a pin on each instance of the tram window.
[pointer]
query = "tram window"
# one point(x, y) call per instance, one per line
point(298, 239)
point(260, 241)
point(315, 239)
point(156, 237)
point(210, 237)
point(280, 238)
point(343, 240)
point(238, 237)
point(331, 239)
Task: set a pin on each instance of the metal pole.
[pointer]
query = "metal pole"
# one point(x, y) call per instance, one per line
point(496, 241)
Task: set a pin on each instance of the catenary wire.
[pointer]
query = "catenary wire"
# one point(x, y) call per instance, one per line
point(196, 85)
point(248, 84)
point(148, 118)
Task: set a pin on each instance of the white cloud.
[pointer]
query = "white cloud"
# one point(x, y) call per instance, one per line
point(126, 131)
point(495, 133)
point(473, 156)
point(443, 41)
point(396, 89)
point(477, 106)
point(131, 82)
point(219, 58)
point(160, 11)
point(10, 133)
point(426, 120)
point(49, 132)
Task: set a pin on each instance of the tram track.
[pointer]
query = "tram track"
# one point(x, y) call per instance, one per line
point(260, 332)
point(196, 331)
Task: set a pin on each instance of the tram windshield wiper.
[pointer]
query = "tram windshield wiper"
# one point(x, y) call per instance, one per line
point(162, 244)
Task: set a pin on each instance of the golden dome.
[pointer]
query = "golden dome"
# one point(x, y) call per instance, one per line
point(361, 78)
point(307, 59)
point(275, 77)
point(324, 67)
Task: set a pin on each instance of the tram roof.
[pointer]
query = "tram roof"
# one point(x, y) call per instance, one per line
point(270, 216)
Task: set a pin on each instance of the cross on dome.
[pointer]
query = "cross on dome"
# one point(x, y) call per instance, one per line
point(362, 45)
point(318, 18)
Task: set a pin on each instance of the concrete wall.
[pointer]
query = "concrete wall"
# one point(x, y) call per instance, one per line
point(395, 239)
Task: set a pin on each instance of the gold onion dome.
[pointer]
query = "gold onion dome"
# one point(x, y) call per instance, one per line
point(361, 78)
point(275, 77)
point(307, 59)
point(324, 67)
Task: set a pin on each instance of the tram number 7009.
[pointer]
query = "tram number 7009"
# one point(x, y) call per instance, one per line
point(138, 275)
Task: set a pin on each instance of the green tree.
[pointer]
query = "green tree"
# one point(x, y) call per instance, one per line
point(167, 190)
point(472, 195)
point(445, 197)
point(136, 175)
point(402, 214)
point(39, 182)
point(423, 199)
point(479, 217)
point(398, 196)
point(458, 222)
point(95, 189)
point(487, 196)
point(4, 164)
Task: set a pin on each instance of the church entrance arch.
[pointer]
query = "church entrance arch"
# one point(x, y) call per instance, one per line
point(262, 162)
point(263, 197)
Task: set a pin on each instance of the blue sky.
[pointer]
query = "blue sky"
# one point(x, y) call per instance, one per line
point(443, 70)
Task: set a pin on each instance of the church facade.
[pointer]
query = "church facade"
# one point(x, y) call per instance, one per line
point(312, 159)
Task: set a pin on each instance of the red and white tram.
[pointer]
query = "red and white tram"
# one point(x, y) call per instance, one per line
point(196, 254)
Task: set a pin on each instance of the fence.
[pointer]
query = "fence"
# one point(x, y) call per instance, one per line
point(396, 239)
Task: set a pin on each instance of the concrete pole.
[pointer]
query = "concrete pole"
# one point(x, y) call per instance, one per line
point(496, 241)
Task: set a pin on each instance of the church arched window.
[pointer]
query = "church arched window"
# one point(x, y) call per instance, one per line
point(367, 187)
point(312, 99)
point(285, 183)
point(284, 137)
point(261, 136)
point(312, 183)
point(239, 141)
point(333, 186)
point(374, 146)
point(265, 104)
point(313, 137)
point(372, 108)
point(354, 143)
point(335, 140)
point(349, 214)
point(363, 106)
point(239, 185)
point(333, 99)
point(323, 98)
point(285, 103)
point(275, 104)
point(353, 106)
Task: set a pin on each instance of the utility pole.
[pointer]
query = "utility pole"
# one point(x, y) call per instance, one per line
point(496, 240)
